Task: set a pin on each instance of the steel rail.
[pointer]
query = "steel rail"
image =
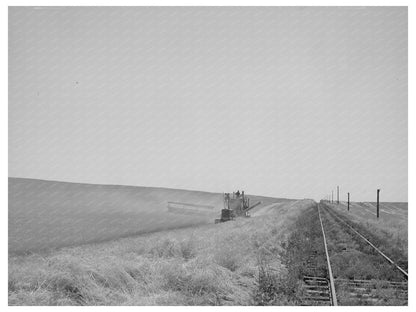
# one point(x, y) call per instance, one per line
point(331, 277)
point(371, 244)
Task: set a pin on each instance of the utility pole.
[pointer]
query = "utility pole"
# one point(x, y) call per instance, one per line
point(338, 195)
point(348, 201)
point(332, 196)
point(378, 203)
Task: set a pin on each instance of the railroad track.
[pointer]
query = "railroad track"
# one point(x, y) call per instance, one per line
point(372, 292)
point(321, 287)
point(375, 248)
point(357, 291)
point(317, 291)
point(316, 285)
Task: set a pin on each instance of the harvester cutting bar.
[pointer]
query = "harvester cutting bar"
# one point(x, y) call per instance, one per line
point(192, 209)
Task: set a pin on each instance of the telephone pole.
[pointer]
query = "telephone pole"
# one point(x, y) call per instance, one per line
point(348, 201)
point(338, 195)
point(332, 196)
point(378, 203)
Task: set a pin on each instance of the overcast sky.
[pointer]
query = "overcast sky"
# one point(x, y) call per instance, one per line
point(284, 102)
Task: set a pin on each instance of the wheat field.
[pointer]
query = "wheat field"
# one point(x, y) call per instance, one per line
point(49, 214)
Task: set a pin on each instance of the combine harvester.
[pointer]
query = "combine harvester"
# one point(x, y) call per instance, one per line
point(235, 206)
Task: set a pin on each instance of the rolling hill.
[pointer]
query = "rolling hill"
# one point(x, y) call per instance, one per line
point(48, 214)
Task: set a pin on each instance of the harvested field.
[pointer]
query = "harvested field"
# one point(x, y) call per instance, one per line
point(47, 214)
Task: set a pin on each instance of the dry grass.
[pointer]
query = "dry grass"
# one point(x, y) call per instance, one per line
point(206, 265)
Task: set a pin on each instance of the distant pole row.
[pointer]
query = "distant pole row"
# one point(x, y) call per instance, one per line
point(330, 198)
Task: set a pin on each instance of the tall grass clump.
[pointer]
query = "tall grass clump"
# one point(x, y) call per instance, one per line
point(215, 264)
